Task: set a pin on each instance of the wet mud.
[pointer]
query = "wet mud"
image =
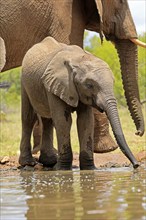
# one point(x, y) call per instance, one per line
point(107, 160)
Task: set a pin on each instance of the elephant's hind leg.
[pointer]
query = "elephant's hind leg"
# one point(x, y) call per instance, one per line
point(48, 156)
point(28, 118)
point(103, 142)
point(37, 132)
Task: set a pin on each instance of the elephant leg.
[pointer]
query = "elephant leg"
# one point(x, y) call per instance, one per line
point(48, 156)
point(37, 132)
point(61, 115)
point(103, 142)
point(28, 118)
point(85, 126)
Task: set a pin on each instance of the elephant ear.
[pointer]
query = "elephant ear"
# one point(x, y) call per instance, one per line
point(111, 17)
point(117, 20)
point(93, 12)
point(58, 79)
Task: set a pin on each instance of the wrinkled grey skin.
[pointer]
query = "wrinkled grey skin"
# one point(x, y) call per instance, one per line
point(24, 23)
point(56, 80)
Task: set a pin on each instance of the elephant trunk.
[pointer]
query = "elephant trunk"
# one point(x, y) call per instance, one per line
point(112, 114)
point(129, 67)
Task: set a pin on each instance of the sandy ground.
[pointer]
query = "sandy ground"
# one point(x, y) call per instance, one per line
point(108, 160)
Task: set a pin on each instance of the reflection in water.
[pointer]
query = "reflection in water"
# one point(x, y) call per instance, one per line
point(73, 195)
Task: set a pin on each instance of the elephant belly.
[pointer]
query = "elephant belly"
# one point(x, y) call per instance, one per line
point(40, 105)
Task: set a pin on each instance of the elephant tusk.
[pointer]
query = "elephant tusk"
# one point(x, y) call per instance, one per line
point(138, 42)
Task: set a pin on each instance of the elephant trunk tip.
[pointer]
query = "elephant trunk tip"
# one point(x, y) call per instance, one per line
point(139, 132)
point(136, 165)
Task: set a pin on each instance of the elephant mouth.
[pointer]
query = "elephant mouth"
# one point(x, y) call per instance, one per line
point(97, 107)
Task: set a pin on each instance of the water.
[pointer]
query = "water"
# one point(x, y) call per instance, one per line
point(114, 194)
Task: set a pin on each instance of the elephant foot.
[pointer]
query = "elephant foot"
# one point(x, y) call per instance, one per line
point(64, 163)
point(27, 161)
point(88, 167)
point(48, 160)
point(86, 161)
point(103, 142)
point(62, 166)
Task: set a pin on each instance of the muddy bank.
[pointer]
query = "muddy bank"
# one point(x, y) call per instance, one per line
point(108, 160)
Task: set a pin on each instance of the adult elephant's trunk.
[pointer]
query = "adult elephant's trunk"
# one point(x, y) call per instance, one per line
point(129, 67)
point(112, 114)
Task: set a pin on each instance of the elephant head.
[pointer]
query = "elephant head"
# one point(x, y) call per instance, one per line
point(74, 76)
point(113, 20)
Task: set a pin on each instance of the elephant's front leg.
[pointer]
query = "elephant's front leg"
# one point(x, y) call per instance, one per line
point(85, 126)
point(61, 115)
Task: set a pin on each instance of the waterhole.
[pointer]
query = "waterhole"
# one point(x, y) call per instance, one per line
point(114, 194)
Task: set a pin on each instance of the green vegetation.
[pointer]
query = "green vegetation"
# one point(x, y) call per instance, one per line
point(10, 122)
point(10, 97)
point(10, 133)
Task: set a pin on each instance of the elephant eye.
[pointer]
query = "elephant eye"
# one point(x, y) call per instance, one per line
point(89, 86)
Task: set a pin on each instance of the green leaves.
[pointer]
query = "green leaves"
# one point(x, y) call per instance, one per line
point(10, 96)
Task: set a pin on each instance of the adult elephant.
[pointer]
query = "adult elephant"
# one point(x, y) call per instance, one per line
point(24, 23)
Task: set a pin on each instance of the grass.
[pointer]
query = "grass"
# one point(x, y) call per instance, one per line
point(10, 132)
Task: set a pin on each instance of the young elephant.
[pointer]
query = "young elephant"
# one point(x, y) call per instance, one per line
point(56, 80)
